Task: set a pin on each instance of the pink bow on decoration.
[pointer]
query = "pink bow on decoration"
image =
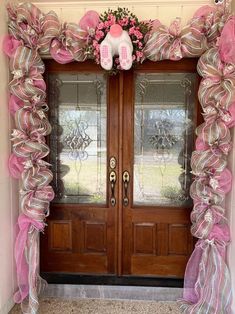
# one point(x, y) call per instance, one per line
point(212, 113)
point(173, 43)
point(208, 23)
point(204, 11)
point(69, 45)
point(36, 176)
point(29, 145)
point(26, 62)
point(25, 224)
point(200, 190)
point(59, 53)
point(89, 22)
point(227, 42)
point(211, 187)
point(207, 264)
point(214, 150)
point(218, 80)
point(214, 131)
point(204, 220)
point(202, 161)
point(165, 43)
point(26, 23)
point(50, 29)
point(28, 118)
point(35, 203)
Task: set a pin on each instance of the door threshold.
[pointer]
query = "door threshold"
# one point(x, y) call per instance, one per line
point(67, 291)
point(81, 279)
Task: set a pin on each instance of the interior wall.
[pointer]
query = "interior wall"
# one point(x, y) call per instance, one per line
point(163, 10)
point(230, 206)
point(8, 187)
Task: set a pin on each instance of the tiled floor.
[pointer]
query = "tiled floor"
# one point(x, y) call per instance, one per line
point(95, 306)
point(113, 292)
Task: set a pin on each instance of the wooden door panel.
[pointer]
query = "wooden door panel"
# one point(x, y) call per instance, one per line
point(157, 239)
point(125, 239)
point(82, 237)
point(159, 266)
point(76, 241)
point(157, 243)
point(61, 235)
point(161, 240)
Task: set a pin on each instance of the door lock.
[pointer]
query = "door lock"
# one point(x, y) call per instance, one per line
point(126, 180)
point(112, 180)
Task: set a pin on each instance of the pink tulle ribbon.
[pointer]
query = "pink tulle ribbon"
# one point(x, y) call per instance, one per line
point(227, 42)
point(25, 225)
point(89, 21)
point(10, 44)
point(16, 166)
point(15, 104)
point(59, 53)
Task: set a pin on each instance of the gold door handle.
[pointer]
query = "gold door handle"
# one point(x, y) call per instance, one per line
point(112, 180)
point(126, 180)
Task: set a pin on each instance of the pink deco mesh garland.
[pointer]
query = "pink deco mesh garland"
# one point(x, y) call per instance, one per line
point(207, 286)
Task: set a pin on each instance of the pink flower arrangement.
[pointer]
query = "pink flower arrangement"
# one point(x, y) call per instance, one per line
point(129, 22)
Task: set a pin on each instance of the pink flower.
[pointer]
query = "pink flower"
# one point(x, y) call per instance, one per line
point(120, 22)
point(139, 55)
point(95, 43)
point(131, 30)
point(112, 18)
point(107, 23)
point(99, 35)
point(138, 34)
point(101, 25)
point(125, 21)
point(133, 22)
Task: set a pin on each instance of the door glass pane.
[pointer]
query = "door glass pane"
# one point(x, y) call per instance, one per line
point(163, 138)
point(78, 114)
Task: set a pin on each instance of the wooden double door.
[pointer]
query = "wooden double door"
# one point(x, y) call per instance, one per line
point(120, 154)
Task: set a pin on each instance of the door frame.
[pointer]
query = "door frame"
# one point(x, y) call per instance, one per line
point(184, 65)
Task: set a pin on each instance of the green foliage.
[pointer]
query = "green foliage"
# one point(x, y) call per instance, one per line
point(172, 192)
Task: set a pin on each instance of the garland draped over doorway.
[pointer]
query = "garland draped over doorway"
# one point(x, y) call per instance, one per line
point(210, 35)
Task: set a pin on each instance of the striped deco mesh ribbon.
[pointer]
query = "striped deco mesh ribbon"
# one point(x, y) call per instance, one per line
point(44, 32)
point(192, 40)
point(207, 287)
point(32, 33)
point(27, 100)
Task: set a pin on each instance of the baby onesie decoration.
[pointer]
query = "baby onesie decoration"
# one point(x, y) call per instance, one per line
point(117, 40)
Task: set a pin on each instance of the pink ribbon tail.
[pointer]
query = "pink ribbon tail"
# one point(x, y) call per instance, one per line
point(22, 266)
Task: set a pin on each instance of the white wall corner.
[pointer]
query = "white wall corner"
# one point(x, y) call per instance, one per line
point(230, 215)
point(5, 309)
point(8, 186)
